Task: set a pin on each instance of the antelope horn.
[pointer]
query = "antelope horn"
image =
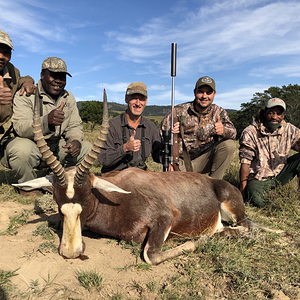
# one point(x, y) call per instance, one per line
point(84, 167)
point(48, 155)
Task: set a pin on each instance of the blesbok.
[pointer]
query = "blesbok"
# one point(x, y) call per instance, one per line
point(136, 205)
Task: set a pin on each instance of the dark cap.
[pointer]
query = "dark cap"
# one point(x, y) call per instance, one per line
point(137, 88)
point(275, 102)
point(55, 64)
point(5, 39)
point(206, 81)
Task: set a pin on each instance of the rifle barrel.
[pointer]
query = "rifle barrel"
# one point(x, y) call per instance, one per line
point(173, 74)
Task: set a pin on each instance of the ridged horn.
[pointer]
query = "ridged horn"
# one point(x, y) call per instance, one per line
point(47, 154)
point(84, 167)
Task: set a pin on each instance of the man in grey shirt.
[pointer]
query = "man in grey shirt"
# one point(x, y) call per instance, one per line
point(132, 137)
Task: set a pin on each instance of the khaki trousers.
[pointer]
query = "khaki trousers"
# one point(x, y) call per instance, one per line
point(23, 156)
point(215, 161)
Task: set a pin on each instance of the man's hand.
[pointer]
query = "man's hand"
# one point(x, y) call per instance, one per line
point(73, 147)
point(56, 116)
point(176, 128)
point(5, 93)
point(132, 145)
point(219, 127)
point(27, 87)
point(244, 173)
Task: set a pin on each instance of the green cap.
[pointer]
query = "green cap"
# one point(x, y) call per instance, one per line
point(55, 64)
point(5, 39)
point(206, 81)
point(137, 88)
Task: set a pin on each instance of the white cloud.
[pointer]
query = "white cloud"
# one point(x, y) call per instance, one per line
point(233, 99)
point(222, 34)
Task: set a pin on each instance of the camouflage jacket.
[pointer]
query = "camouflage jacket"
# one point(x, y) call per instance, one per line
point(199, 129)
point(13, 80)
point(267, 152)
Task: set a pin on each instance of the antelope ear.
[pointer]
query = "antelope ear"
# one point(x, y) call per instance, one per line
point(107, 186)
point(37, 183)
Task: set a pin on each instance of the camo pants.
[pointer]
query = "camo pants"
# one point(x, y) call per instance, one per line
point(257, 191)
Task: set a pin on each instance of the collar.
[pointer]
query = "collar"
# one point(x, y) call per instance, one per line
point(264, 130)
point(64, 93)
point(6, 73)
point(124, 121)
point(192, 107)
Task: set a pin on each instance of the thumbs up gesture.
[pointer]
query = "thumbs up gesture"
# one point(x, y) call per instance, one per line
point(56, 116)
point(5, 93)
point(219, 127)
point(132, 145)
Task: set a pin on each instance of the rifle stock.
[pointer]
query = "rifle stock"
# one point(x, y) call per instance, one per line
point(175, 144)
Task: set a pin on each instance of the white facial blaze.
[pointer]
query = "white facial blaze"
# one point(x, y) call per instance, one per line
point(71, 243)
point(70, 181)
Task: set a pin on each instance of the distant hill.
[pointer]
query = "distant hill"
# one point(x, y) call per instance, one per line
point(150, 110)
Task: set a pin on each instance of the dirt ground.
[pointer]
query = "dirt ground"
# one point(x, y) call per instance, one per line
point(105, 256)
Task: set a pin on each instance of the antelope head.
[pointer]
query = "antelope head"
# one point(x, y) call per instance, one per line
point(72, 186)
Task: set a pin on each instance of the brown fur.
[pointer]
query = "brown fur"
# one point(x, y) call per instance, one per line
point(187, 203)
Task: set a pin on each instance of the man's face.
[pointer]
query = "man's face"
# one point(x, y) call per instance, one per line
point(136, 103)
point(5, 55)
point(274, 114)
point(53, 82)
point(204, 96)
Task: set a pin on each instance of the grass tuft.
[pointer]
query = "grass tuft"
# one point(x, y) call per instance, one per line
point(90, 280)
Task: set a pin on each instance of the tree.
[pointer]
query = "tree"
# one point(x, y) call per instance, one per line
point(289, 94)
point(91, 111)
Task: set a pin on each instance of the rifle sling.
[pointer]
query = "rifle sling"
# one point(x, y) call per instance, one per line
point(186, 157)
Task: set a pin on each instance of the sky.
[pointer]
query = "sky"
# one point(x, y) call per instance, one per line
point(246, 46)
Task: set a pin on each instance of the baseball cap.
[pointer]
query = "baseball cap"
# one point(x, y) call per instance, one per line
point(275, 102)
point(5, 39)
point(55, 64)
point(205, 81)
point(137, 88)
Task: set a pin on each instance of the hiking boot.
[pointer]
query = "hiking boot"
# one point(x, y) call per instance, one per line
point(33, 193)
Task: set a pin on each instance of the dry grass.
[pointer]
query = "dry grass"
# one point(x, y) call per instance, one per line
point(252, 266)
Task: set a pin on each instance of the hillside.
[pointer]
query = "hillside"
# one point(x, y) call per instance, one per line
point(150, 110)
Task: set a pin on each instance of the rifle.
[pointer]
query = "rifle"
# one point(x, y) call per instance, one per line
point(167, 134)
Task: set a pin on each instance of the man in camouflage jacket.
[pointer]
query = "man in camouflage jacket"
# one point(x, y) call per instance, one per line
point(208, 133)
point(264, 151)
point(10, 80)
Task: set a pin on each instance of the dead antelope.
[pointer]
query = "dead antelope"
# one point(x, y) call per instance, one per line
point(136, 205)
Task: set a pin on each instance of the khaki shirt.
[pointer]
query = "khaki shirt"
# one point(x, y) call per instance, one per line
point(13, 80)
point(22, 119)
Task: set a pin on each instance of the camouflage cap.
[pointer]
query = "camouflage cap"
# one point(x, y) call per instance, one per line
point(5, 39)
point(205, 81)
point(276, 102)
point(137, 88)
point(55, 64)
